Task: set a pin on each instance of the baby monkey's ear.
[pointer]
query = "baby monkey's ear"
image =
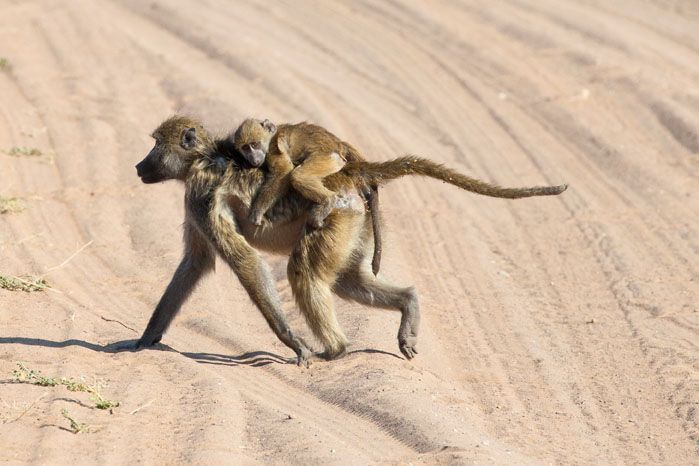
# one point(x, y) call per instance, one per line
point(269, 126)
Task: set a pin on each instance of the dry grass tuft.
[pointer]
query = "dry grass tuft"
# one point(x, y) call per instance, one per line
point(5, 64)
point(31, 152)
point(27, 284)
point(23, 409)
point(10, 205)
point(24, 151)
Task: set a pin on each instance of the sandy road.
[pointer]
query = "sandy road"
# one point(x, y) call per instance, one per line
point(554, 330)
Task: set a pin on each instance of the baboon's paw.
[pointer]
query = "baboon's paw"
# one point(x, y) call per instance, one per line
point(408, 347)
point(302, 361)
point(256, 218)
point(304, 357)
point(148, 340)
point(331, 355)
point(133, 345)
point(126, 345)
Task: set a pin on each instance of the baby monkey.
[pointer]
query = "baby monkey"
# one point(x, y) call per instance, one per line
point(298, 155)
point(301, 155)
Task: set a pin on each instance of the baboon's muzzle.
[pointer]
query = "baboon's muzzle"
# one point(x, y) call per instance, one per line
point(146, 171)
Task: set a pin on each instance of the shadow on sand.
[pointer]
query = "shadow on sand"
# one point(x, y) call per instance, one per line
point(252, 358)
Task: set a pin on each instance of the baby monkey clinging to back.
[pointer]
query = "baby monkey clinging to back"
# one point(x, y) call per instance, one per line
point(301, 155)
point(307, 153)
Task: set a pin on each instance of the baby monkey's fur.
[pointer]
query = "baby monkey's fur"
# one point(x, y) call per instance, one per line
point(301, 155)
point(332, 259)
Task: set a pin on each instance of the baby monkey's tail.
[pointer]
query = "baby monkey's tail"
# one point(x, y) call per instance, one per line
point(376, 174)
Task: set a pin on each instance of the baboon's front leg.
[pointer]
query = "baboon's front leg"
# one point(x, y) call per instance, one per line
point(256, 278)
point(270, 192)
point(198, 259)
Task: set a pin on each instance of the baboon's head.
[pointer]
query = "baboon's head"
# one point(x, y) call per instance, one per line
point(179, 141)
point(252, 140)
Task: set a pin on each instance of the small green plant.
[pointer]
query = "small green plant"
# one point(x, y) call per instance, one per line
point(75, 426)
point(106, 404)
point(5, 64)
point(24, 151)
point(24, 375)
point(33, 152)
point(10, 205)
point(27, 284)
point(95, 390)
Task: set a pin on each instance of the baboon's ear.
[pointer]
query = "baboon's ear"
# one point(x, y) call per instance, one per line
point(189, 138)
point(269, 126)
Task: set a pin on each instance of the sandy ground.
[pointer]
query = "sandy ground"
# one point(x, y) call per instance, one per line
point(554, 330)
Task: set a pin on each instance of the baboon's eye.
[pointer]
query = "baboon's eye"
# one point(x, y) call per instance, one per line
point(256, 145)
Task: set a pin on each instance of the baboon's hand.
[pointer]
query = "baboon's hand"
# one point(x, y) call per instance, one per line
point(304, 354)
point(407, 347)
point(148, 340)
point(126, 345)
point(134, 345)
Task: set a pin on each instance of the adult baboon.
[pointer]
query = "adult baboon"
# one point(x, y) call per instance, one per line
point(334, 258)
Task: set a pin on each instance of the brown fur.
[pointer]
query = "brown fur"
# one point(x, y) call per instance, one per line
point(324, 261)
point(301, 155)
point(380, 173)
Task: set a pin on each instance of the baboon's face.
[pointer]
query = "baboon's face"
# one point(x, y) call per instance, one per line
point(178, 142)
point(252, 138)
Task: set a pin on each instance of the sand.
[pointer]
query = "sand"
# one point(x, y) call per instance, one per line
point(554, 330)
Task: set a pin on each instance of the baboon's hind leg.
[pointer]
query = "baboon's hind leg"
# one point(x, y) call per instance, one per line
point(363, 287)
point(314, 298)
point(313, 268)
point(307, 179)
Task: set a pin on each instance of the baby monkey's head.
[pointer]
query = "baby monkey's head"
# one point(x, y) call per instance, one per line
point(252, 140)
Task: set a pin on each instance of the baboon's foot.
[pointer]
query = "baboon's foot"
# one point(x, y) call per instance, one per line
point(256, 217)
point(329, 355)
point(407, 346)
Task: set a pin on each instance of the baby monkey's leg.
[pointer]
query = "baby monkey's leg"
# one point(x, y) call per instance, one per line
point(307, 179)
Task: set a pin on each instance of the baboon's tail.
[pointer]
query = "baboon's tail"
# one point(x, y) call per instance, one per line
point(371, 195)
point(376, 226)
point(382, 172)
